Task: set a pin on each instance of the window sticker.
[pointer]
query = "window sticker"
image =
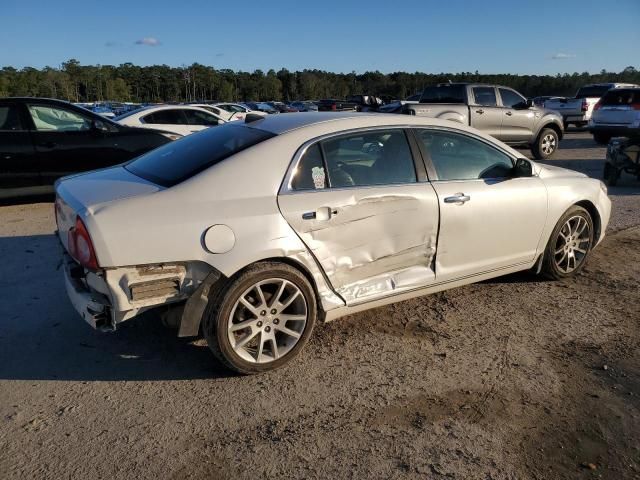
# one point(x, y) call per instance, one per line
point(317, 173)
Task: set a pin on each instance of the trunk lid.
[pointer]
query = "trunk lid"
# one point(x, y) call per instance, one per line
point(85, 193)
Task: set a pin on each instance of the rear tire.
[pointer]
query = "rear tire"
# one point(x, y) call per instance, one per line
point(569, 245)
point(601, 138)
point(247, 325)
point(546, 144)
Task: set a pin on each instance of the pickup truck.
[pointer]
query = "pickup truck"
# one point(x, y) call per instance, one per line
point(499, 111)
point(578, 110)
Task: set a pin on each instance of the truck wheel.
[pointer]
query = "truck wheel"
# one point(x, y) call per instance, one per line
point(601, 138)
point(545, 145)
point(569, 244)
point(261, 320)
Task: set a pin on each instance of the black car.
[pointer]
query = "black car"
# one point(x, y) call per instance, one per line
point(42, 140)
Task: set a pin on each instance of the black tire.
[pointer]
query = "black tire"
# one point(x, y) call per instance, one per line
point(610, 174)
point(601, 138)
point(550, 269)
point(540, 148)
point(217, 316)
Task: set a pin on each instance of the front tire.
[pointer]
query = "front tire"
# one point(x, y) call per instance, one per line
point(261, 320)
point(569, 245)
point(546, 144)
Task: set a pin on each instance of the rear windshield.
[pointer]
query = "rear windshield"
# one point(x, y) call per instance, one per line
point(182, 159)
point(444, 94)
point(621, 97)
point(595, 91)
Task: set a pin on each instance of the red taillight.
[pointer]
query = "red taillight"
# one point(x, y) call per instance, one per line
point(334, 106)
point(585, 105)
point(597, 106)
point(81, 247)
point(635, 106)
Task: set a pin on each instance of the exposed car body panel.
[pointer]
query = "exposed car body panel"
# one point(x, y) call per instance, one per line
point(366, 247)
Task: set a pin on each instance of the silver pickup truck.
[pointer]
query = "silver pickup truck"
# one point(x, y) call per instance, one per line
point(499, 111)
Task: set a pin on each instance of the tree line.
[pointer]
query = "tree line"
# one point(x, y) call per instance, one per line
point(162, 83)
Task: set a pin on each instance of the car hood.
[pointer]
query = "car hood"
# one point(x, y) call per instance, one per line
point(550, 171)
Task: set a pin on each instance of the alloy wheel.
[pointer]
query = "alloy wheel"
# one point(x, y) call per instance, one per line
point(548, 144)
point(267, 320)
point(572, 244)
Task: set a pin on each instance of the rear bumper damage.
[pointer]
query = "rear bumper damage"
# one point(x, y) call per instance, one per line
point(111, 296)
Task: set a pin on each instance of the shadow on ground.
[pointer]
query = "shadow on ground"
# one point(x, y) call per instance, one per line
point(45, 339)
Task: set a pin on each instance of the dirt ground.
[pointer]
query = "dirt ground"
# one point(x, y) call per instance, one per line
point(514, 378)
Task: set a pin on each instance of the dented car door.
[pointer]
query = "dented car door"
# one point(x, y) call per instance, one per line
point(357, 204)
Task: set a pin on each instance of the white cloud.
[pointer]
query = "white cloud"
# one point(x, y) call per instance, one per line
point(562, 56)
point(149, 41)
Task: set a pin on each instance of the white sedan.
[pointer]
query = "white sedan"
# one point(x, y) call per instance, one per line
point(180, 119)
point(256, 230)
point(228, 111)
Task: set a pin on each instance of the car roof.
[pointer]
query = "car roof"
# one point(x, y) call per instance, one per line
point(283, 123)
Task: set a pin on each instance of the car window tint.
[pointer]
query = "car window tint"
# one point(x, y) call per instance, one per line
point(10, 118)
point(453, 93)
point(310, 173)
point(194, 117)
point(176, 161)
point(166, 117)
point(46, 118)
point(510, 98)
point(621, 97)
point(372, 158)
point(485, 96)
point(460, 157)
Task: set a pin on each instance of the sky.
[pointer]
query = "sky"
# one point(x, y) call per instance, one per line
point(491, 36)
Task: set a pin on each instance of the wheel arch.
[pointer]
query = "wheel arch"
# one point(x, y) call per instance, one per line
point(595, 216)
point(305, 271)
point(553, 126)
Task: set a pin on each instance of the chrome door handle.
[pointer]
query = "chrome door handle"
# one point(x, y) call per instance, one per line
point(457, 198)
point(321, 214)
point(480, 111)
point(508, 113)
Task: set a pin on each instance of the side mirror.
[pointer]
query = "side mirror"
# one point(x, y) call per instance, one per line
point(530, 102)
point(523, 168)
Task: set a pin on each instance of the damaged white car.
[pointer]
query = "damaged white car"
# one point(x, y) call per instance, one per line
point(253, 231)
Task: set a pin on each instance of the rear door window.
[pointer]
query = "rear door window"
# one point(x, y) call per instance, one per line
point(444, 94)
point(195, 117)
point(166, 117)
point(485, 96)
point(10, 118)
point(378, 157)
point(177, 161)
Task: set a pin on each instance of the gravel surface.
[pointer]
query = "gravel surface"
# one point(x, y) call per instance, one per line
point(514, 378)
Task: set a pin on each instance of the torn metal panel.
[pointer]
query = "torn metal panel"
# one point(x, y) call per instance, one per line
point(133, 289)
point(373, 235)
